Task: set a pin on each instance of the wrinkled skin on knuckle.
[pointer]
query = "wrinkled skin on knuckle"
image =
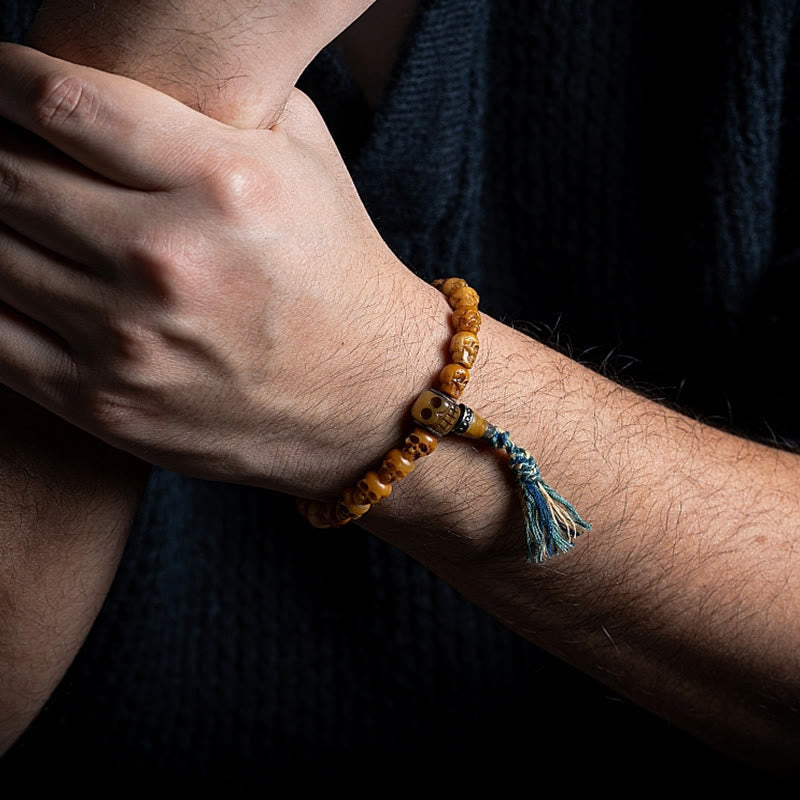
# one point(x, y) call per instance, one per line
point(119, 391)
point(11, 182)
point(121, 421)
point(65, 100)
point(106, 411)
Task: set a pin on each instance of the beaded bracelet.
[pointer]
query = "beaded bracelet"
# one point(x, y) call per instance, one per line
point(551, 522)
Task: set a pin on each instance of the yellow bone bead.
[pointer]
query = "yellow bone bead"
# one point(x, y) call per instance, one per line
point(359, 496)
point(436, 411)
point(319, 515)
point(453, 380)
point(464, 348)
point(302, 504)
point(467, 318)
point(396, 466)
point(419, 443)
point(448, 285)
point(354, 508)
point(341, 515)
point(373, 488)
point(463, 296)
point(477, 428)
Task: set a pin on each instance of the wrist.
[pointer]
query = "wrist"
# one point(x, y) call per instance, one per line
point(236, 63)
point(462, 504)
point(550, 521)
point(466, 503)
point(402, 338)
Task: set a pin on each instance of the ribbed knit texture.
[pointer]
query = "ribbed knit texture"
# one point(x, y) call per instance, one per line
point(607, 173)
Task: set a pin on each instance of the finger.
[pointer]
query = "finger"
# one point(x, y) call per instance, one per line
point(46, 289)
point(117, 127)
point(54, 202)
point(34, 361)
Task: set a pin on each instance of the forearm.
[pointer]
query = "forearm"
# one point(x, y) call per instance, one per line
point(66, 504)
point(684, 596)
point(66, 499)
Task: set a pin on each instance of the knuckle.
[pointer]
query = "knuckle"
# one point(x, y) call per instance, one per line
point(157, 261)
point(109, 411)
point(60, 100)
point(112, 391)
point(235, 187)
point(129, 347)
point(136, 354)
point(146, 251)
point(10, 183)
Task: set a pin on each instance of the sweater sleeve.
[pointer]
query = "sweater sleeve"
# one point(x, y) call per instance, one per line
point(770, 337)
point(15, 18)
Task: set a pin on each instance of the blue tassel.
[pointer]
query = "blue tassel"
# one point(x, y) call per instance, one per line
point(551, 522)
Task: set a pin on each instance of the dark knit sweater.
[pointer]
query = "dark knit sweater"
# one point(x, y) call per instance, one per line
point(620, 178)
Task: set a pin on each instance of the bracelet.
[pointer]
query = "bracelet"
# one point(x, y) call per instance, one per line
point(551, 522)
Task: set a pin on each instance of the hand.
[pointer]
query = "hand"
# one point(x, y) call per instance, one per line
point(210, 299)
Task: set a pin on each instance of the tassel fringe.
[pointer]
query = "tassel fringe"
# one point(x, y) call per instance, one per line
point(551, 522)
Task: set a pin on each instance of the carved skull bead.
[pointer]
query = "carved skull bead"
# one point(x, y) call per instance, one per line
point(453, 380)
point(351, 503)
point(467, 318)
point(319, 515)
point(464, 349)
point(448, 285)
point(463, 296)
point(372, 488)
point(396, 465)
point(436, 411)
point(419, 443)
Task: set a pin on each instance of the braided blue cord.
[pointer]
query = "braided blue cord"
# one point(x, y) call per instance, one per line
point(544, 536)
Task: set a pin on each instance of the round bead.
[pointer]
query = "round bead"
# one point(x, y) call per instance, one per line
point(467, 318)
point(342, 515)
point(302, 505)
point(319, 515)
point(373, 488)
point(463, 296)
point(477, 427)
point(448, 285)
point(396, 466)
point(350, 504)
point(359, 496)
point(464, 348)
point(436, 412)
point(419, 443)
point(453, 380)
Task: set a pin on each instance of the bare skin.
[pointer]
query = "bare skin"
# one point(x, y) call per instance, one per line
point(67, 499)
point(686, 595)
point(235, 61)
